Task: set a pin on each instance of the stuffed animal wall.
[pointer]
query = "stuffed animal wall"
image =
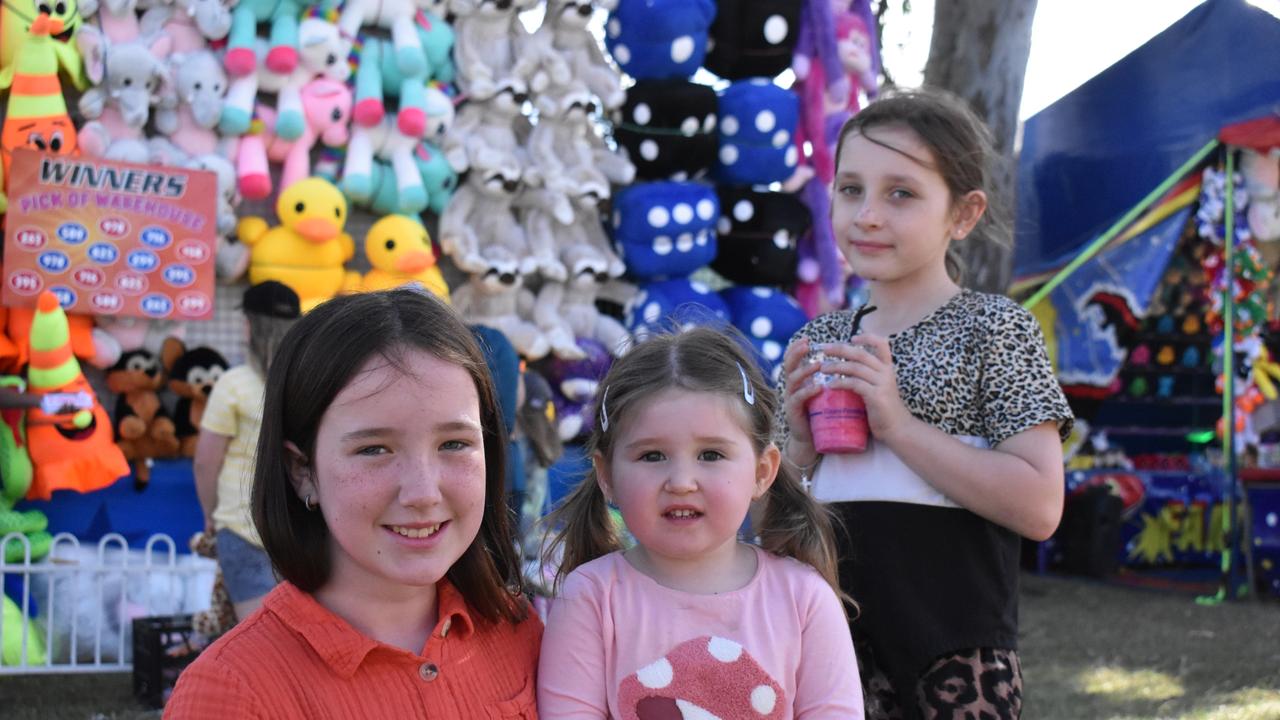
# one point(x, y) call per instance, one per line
point(757, 124)
point(668, 128)
point(665, 229)
point(752, 38)
point(658, 39)
point(757, 235)
point(36, 118)
point(72, 452)
point(192, 378)
point(307, 250)
point(19, 16)
point(143, 427)
point(399, 249)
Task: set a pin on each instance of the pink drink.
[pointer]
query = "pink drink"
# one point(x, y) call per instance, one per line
point(838, 421)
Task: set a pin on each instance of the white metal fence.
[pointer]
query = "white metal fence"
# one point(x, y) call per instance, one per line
point(80, 602)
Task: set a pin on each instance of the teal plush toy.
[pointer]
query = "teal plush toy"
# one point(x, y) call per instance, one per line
point(429, 179)
point(382, 74)
point(15, 480)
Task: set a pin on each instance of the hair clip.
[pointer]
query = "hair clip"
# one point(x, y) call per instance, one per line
point(748, 392)
point(604, 412)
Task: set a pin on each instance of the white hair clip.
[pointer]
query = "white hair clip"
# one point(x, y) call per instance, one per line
point(604, 412)
point(748, 392)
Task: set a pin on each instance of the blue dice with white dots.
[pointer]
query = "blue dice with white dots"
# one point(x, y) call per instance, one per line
point(659, 39)
point(666, 305)
point(768, 317)
point(757, 133)
point(665, 229)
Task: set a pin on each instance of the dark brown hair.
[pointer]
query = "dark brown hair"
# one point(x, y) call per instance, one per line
point(319, 356)
point(959, 142)
point(699, 360)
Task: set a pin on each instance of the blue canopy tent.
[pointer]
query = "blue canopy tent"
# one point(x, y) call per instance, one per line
point(1126, 142)
point(1096, 152)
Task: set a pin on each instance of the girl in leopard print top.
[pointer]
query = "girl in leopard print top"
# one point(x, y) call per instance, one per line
point(965, 414)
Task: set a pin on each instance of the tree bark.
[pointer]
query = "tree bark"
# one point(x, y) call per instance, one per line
point(979, 52)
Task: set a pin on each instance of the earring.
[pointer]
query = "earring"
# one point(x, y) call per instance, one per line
point(311, 506)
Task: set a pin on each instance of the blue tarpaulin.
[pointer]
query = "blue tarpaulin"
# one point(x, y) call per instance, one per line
point(1091, 156)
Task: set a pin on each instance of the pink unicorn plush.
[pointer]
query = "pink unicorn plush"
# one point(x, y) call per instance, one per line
point(327, 113)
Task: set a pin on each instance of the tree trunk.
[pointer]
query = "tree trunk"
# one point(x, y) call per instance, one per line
point(979, 52)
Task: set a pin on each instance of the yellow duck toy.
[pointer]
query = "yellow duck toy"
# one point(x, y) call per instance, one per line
point(399, 249)
point(307, 249)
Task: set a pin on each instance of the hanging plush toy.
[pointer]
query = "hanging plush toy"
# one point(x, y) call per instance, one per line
point(36, 118)
point(757, 126)
point(129, 78)
point(17, 17)
point(192, 378)
point(488, 37)
point(768, 318)
point(74, 452)
point(192, 24)
point(752, 38)
point(659, 39)
point(144, 430)
point(567, 310)
point(668, 128)
point(679, 301)
point(307, 250)
point(666, 229)
point(399, 249)
point(757, 235)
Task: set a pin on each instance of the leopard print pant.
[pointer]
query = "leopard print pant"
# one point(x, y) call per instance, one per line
point(978, 684)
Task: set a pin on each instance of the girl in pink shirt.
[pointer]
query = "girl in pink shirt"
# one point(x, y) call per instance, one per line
point(691, 622)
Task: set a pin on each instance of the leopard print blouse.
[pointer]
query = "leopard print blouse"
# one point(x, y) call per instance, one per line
point(976, 366)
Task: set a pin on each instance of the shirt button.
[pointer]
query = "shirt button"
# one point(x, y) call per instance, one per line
point(428, 671)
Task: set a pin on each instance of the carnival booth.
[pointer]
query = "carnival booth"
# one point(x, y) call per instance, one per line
point(1148, 222)
point(547, 166)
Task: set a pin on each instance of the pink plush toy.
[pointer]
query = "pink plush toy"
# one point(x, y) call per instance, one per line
point(327, 111)
point(825, 105)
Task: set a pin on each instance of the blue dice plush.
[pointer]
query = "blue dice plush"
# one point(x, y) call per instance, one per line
point(665, 229)
point(757, 128)
point(659, 39)
point(768, 317)
point(670, 304)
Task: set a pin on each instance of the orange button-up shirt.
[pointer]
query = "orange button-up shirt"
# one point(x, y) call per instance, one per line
point(296, 659)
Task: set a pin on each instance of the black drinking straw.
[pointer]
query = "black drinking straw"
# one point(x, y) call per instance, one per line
point(857, 318)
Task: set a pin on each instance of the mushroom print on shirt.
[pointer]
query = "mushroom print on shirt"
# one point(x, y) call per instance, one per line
point(707, 678)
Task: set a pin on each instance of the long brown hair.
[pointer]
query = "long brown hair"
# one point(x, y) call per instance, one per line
point(698, 360)
point(317, 359)
point(959, 142)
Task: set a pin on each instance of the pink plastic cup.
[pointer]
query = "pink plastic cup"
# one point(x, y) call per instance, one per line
point(838, 421)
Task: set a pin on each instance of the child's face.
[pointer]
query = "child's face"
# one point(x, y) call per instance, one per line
point(891, 210)
point(399, 473)
point(684, 473)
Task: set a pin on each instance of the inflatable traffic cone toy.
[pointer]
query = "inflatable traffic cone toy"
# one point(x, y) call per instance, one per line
point(72, 451)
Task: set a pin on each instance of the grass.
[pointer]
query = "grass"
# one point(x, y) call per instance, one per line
point(1090, 652)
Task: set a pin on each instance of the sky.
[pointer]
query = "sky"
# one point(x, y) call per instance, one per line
point(1071, 41)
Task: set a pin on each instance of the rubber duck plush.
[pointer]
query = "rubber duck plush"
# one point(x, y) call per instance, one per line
point(399, 249)
point(307, 249)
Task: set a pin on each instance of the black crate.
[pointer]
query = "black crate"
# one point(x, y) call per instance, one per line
point(162, 646)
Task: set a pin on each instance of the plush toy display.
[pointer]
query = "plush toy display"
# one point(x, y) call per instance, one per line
point(143, 427)
point(659, 39)
point(665, 229)
point(496, 296)
point(564, 31)
point(129, 77)
point(560, 150)
point(487, 46)
point(191, 24)
point(282, 57)
point(484, 134)
point(307, 250)
point(388, 142)
point(480, 218)
point(387, 70)
point(567, 310)
point(36, 118)
point(1261, 173)
point(667, 304)
point(757, 234)
point(574, 385)
point(15, 481)
point(192, 378)
point(668, 128)
point(189, 117)
point(752, 38)
point(399, 249)
point(757, 124)
point(69, 452)
point(768, 317)
point(19, 16)
point(327, 111)
point(436, 177)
